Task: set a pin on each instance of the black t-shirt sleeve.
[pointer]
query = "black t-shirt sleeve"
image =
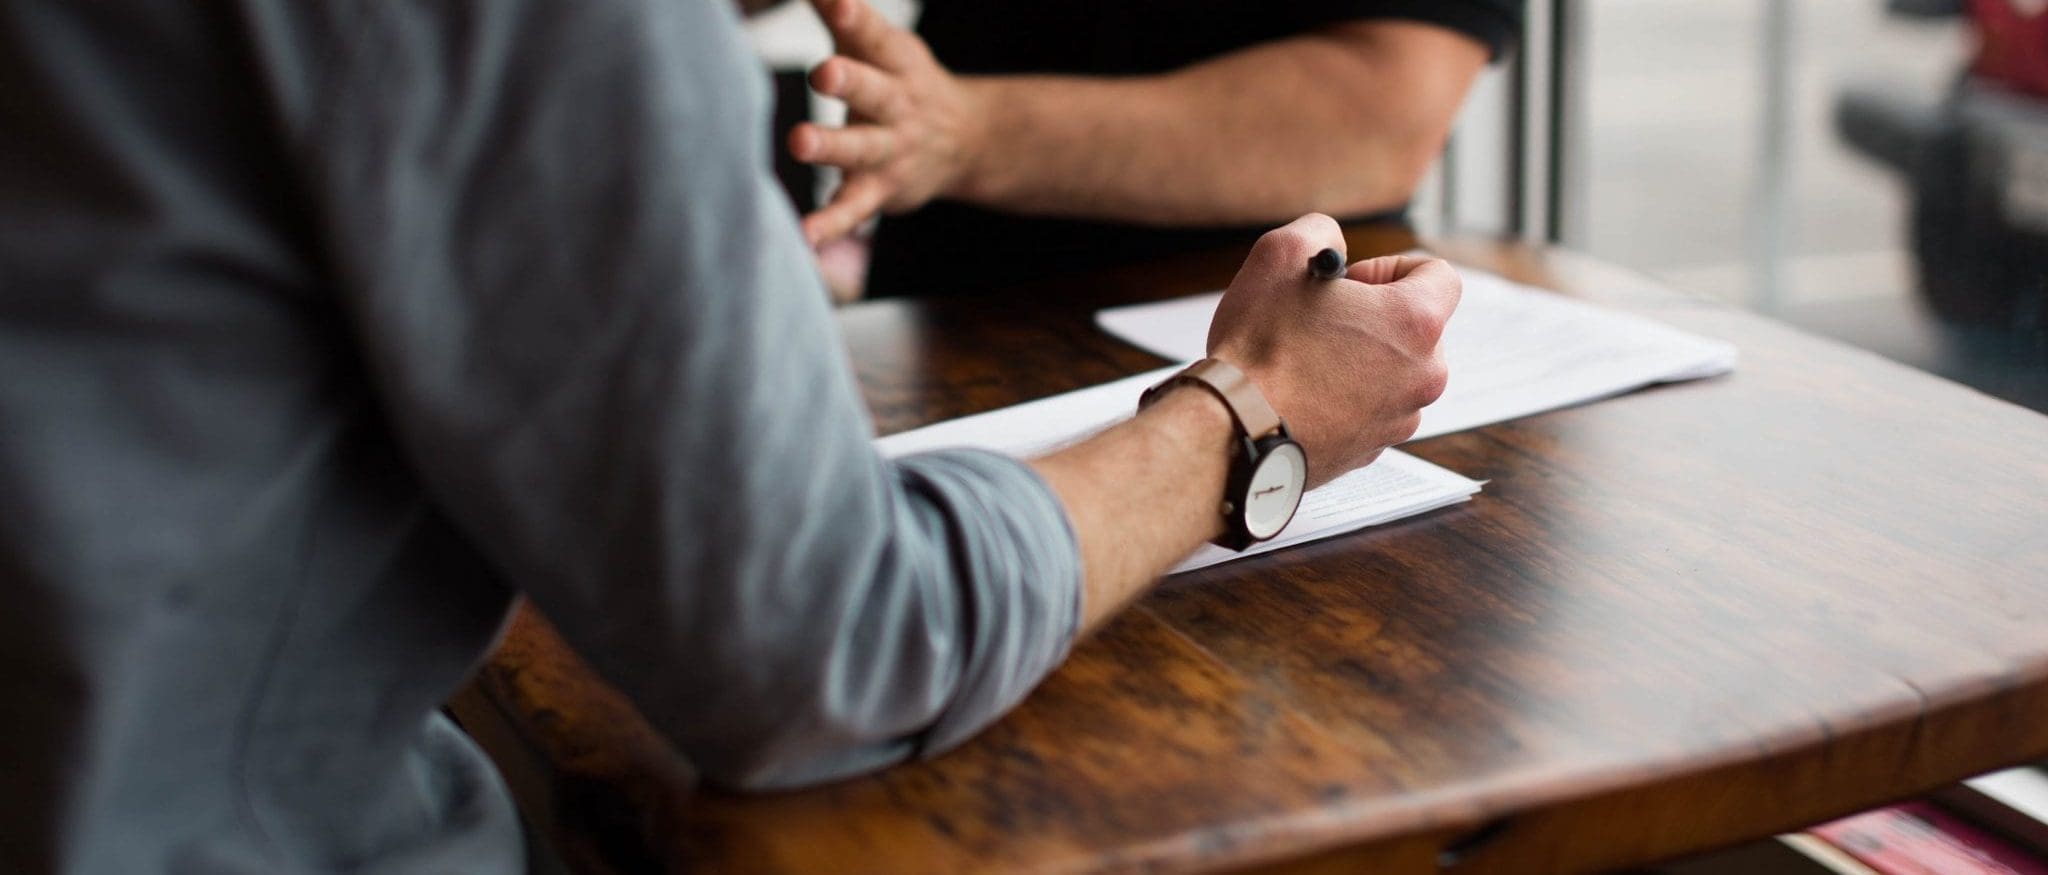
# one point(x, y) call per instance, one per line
point(1138, 37)
point(1495, 23)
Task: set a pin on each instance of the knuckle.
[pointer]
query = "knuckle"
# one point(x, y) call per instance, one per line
point(1282, 236)
point(1404, 428)
point(1285, 243)
point(1436, 377)
point(1455, 281)
point(1446, 287)
point(1320, 223)
point(1299, 239)
point(1454, 291)
point(1414, 325)
point(1421, 322)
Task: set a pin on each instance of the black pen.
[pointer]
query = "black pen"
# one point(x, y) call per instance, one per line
point(1326, 265)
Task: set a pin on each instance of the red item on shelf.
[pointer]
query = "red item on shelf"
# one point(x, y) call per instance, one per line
point(2012, 47)
point(1916, 838)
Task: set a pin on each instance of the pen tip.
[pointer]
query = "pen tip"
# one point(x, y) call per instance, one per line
point(1327, 264)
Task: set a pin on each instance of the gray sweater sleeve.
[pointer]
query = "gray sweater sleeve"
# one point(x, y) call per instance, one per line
point(592, 322)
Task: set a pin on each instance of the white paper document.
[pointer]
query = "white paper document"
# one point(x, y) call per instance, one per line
point(1397, 486)
point(1513, 350)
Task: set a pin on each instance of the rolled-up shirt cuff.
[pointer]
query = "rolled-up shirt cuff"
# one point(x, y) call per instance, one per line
point(1020, 582)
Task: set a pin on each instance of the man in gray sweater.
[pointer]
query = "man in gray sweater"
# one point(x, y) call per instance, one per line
point(328, 327)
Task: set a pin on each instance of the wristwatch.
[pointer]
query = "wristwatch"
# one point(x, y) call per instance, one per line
point(1268, 470)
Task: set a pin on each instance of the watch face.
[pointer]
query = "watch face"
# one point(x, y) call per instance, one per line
point(1276, 490)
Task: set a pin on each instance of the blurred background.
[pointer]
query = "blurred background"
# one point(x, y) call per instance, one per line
point(1830, 163)
point(1778, 154)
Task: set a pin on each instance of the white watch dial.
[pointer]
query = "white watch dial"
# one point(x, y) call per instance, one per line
point(1275, 491)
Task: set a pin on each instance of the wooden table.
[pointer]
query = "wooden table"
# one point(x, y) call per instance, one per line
point(1685, 617)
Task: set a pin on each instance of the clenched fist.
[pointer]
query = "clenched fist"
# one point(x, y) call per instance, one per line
point(1349, 363)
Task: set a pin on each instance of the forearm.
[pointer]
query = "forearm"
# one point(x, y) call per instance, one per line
point(1343, 121)
point(965, 600)
point(1142, 495)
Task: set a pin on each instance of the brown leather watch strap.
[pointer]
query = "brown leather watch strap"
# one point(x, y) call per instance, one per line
point(1253, 414)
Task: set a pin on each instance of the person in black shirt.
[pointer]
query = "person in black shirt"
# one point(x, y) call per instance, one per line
point(1055, 136)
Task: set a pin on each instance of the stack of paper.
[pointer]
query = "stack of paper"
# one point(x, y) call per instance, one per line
point(1513, 350)
point(1396, 486)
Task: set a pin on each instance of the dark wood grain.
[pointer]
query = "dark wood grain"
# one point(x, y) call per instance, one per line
point(1674, 620)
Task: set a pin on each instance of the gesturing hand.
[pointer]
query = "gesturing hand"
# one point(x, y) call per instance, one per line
point(1349, 363)
point(911, 126)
